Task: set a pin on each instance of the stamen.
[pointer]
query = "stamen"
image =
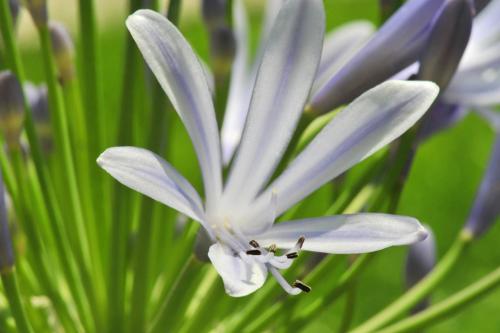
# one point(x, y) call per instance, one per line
point(254, 252)
point(301, 241)
point(272, 248)
point(254, 243)
point(292, 255)
point(283, 283)
point(302, 286)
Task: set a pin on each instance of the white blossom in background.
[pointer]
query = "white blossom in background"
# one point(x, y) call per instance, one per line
point(238, 215)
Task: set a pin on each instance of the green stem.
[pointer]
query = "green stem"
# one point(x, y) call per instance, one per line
point(420, 290)
point(173, 11)
point(348, 309)
point(13, 296)
point(447, 307)
point(90, 62)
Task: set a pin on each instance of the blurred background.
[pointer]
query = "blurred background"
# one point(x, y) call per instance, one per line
point(439, 192)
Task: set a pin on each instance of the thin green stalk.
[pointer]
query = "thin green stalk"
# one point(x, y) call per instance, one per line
point(350, 299)
point(173, 11)
point(16, 305)
point(420, 290)
point(185, 276)
point(63, 249)
point(447, 307)
point(90, 66)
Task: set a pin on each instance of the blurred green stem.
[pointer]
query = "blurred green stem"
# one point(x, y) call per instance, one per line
point(420, 290)
point(16, 306)
point(447, 307)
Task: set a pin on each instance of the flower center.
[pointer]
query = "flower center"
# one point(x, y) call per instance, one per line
point(274, 263)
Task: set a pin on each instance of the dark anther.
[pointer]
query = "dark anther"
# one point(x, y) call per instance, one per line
point(254, 243)
point(254, 252)
point(301, 241)
point(292, 255)
point(302, 286)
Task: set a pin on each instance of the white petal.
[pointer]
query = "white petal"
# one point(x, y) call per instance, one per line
point(370, 122)
point(180, 74)
point(344, 234)
point(240, 278)
point(240, 88)
point(339, 46)
point(149, 174)
point(283, 82)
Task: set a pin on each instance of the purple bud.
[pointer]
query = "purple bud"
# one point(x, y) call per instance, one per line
point(419, 262)
point(14, 10)
point(63, 48)
point(214, 13)
point(395, 46)
point(447, 41)
point(486, 207)
point(38, 11)
point(6, 252)
point(440, 117)
point(11, 108)
point(39, 102)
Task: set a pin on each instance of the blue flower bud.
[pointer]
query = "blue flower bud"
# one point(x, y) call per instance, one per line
point(6, 252)
point(11, 108)
point(39, 103)
point(486, 207)
point(38, 11)
point(447, 41)
point(14, 9)
point(420, 261)
point(395, 46)
point(214, 12)
point(63, 48)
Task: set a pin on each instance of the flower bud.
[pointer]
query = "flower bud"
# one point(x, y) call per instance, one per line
point(11, 108)
point(447, 41)
point(6, 252)
point(223, 49)
point(214, 13)
point(420, 261)
point(486, 207)
point(14, 10)
point(38, 11)
point(440, 117)
point(39, 103)
point(63, 48)
point(395, 46)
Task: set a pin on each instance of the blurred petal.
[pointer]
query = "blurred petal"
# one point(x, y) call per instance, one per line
point(486, 206)
point(339, 47)
point(440, 117)
point(180, 74)
point(370, 122)
point(345, 234)
point(283, 82)
point(240, 89)
point(446, 44)
point(149, 174)
point(240, 278)
point(420, 260)
point(395, 46)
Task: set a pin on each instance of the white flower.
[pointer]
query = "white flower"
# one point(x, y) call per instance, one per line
point(239, 216)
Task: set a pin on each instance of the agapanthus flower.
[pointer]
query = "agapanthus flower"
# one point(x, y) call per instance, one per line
point(238, 215)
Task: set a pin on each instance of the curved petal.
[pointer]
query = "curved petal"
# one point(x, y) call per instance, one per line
point(149, 174)
point(339, 46)
point(396, 45)
point(240, 88)
point(240, 278)
point(180, 74)
point(346, 234)
point(282, 86)
point(363, 127)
